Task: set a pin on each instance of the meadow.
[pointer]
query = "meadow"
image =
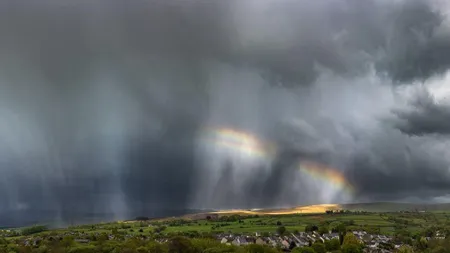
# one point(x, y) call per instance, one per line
point(387, 223)
point(201, 231)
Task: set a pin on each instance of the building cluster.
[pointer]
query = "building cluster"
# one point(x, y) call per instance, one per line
point(373, 243)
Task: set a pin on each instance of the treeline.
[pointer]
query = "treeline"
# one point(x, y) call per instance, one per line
point(176, 244)
point(33, 230)
point(232, 218)
point(345, 212)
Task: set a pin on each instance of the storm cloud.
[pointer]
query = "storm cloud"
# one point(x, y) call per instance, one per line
point(104, 106)
point(424, 115)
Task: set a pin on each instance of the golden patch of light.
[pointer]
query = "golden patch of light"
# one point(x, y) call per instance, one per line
point(322, 208)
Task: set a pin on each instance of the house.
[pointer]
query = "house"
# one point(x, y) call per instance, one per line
point(224, 240)
point(330, 236)
point(260, 241)
point(272, 241)
point(285, 244)
point(238, 241)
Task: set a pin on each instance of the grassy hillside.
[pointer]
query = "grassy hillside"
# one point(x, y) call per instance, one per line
point(383, 223)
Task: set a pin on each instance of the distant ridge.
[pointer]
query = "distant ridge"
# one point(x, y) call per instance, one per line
point(322, 208)
point(396, 206)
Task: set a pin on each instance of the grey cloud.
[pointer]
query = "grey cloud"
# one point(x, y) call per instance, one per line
point(416, 44)
point(401, 38)
point(102, 103)
point(400, 164)
point(424, 115)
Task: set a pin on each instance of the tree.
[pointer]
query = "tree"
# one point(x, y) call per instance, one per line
point(281, 230)
point(350, 239)
point(311, 228)
point(323, 229)
point(319, 247)
point(421, 243)
point(180, 244)
point(351, 244)
point(405, 249)
point(341, 228)
point(279, 223)
point(67, 241)
point(159, 229)
point(333, 244)
point(303, 250)
point(292, 245)
point(351, 248)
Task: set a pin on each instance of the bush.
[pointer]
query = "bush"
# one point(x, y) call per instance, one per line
point(281, 230)
point(181, 244)
point(255, 248)
point(159, 229)
point(351, 248)
point(311, 228)
point(67, 241)
point(319, 247)
point(303, 250)
point(83, 249)
point(350, 239)
point(332, 244)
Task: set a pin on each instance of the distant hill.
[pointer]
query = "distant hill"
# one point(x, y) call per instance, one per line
point(24, 218)
point(395, 207)
point(368, 207)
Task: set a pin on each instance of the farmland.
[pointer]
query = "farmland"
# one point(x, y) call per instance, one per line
point(387, 229)
point(382, 223)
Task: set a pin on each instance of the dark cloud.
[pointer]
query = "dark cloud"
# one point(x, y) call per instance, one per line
point(424, 115)
point(395, 166)
point(405, 40)
point(102, 103)
point(416, 43)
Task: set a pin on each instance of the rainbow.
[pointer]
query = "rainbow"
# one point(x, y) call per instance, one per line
point(239, 142)
point(327, 174)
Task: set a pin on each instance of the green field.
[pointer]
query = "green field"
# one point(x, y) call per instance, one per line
point(382, 218)
point(383, 223)
point(202, 232)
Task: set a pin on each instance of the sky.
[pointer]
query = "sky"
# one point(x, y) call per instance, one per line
point(139, 107)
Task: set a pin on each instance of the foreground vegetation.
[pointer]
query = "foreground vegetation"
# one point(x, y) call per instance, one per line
point(414, 231)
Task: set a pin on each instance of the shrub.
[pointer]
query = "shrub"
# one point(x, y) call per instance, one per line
point(83, 249)
point(319, 247)
point(332, 244)
point(303, 250)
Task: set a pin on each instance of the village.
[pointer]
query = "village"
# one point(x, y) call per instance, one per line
point(329, 232)
point(372, 243)
point(286, 242)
